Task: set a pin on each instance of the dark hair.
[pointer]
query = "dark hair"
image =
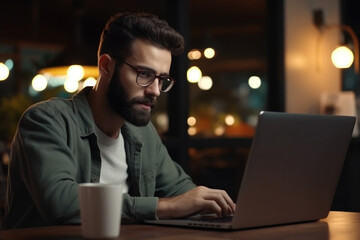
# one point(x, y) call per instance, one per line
point(124, 28)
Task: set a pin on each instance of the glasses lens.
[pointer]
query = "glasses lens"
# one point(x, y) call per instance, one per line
point(166, 84)
point(145, 78)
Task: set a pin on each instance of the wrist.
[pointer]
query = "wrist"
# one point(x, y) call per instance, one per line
point(163, 210)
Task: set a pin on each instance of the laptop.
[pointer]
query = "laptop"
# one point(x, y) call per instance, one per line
point(291, 174)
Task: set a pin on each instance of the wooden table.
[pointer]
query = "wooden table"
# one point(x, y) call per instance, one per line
point(338, 226)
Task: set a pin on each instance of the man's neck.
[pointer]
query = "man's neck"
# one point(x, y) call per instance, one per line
point(105, 119)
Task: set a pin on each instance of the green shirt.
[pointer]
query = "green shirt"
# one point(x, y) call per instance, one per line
point(55, 148)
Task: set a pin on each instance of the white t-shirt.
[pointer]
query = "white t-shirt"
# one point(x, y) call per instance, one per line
point(113, 159)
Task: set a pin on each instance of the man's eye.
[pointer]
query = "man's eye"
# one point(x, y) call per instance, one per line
point(146, 74)
point(164, 79)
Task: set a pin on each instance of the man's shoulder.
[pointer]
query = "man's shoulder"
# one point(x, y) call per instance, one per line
point(52, 106)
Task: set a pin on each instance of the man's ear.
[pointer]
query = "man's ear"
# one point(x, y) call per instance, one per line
point(106, 65)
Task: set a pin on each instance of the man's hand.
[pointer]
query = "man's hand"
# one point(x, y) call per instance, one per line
point(201, 200)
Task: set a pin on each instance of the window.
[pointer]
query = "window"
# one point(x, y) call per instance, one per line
point(210, 130)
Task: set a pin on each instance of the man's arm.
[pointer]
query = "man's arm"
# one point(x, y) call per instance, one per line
point(46, 167)
point(178, 195)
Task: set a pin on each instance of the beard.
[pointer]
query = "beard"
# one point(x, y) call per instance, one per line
point(120, 103)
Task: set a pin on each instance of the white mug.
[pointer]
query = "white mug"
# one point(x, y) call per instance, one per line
point(100, 210)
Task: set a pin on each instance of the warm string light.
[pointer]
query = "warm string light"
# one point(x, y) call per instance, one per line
point(194, 73)
point(225, 124)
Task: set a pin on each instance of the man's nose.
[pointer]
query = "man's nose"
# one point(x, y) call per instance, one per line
point(154, 88)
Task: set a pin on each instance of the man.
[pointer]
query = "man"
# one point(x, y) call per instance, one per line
point(103, 135)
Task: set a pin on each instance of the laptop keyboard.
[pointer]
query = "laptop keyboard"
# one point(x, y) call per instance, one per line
point(207, 221)
point(223, 219)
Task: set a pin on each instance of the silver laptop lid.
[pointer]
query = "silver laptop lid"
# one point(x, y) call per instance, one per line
point(293, 168)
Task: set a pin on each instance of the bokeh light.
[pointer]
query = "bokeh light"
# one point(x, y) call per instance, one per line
point(39, 82)
point(229, 120)
point(254, 82)
point(192, 131)
point(4, 72)
point(191, 121)
point(209, 53)
point(194, 54)
point(205, 83)
point(194, 74)
point(71, 85)
point(10, 64)
point(219, 130)
point(75, 72)
point(89, 82)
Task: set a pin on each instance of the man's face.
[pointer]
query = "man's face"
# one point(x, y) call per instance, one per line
point(131, 101)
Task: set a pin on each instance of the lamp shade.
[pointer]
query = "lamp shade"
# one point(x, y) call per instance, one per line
point(83, 55)
point(71, 68)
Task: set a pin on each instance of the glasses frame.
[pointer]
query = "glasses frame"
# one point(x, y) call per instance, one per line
point(156, 76)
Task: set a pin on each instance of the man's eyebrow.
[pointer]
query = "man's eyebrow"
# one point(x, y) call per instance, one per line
point(141, 67)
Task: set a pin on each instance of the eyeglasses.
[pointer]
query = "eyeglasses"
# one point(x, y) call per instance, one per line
point(145, 78)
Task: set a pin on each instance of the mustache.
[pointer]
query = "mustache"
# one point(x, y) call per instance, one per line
point(144, 100)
